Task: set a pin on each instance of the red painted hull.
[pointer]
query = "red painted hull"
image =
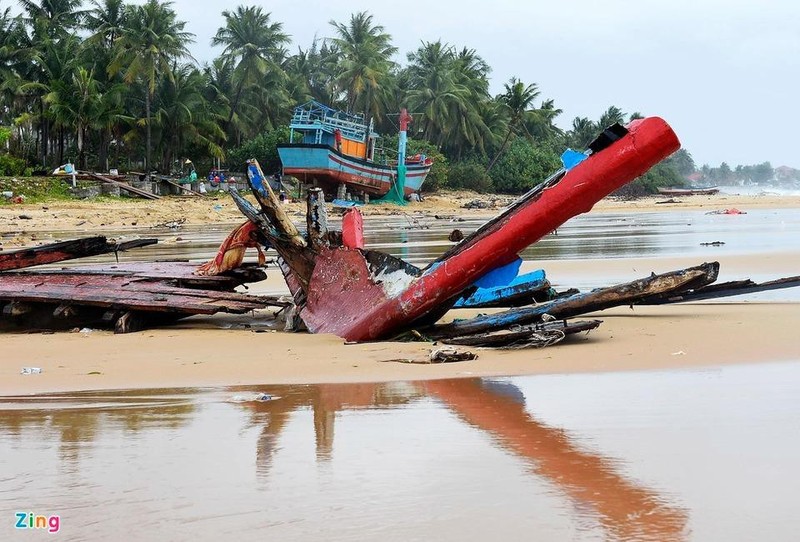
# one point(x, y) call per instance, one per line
point(361, 308)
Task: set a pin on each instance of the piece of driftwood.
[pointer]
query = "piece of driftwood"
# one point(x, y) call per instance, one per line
point(531, 336)
point(123, 186)
point(66, 250)
point(662, 285)
point(288, 243)
point(183, 187)
point(447, 354)
point(725, 289)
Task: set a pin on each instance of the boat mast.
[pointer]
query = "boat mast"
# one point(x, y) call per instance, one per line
point(405, 118)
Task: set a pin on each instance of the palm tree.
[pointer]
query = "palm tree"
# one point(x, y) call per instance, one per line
point(540, 123)
point(149, 43)
point(14, 56)
point(433, 89)
point(53, 19)
point(611, 116)
point(106, 21)
point(518, 100)
point(365, 52)
point(255, 45)
point(313, 73)
point(582, 133)
point(183, 116)
point(75, 102)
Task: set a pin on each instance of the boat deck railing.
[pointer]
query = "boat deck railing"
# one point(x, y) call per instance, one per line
point(323, 118)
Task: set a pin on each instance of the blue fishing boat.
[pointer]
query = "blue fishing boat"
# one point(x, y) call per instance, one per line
point(338, 149)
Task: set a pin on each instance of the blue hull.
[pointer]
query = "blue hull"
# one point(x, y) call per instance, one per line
point(329, 168)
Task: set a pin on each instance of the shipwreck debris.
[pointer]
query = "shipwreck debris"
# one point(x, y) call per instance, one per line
point(650, 288)
point(125, 297)
point(66, 250)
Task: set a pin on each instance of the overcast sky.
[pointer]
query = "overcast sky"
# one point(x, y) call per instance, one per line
point(723, 73)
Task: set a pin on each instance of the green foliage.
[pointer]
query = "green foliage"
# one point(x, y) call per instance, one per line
point(470, 175)
point(683, 162)
point(437, 177)
point(524, 166)
point(111, 84)
point(5, 135)
point(37, 189)
point(263, 147)
point(10, 165)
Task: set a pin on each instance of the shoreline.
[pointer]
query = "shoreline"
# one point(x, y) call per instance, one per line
point(135, 214)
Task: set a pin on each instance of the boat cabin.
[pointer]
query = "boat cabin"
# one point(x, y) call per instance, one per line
point(345, 132)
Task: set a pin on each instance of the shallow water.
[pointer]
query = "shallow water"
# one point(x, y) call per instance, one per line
point(590, 236)
point(420, 240)
point(663, 456)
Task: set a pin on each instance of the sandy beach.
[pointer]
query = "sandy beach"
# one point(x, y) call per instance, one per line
point(200, 352)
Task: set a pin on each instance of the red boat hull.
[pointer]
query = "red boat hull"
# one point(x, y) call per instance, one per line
point(347, 300)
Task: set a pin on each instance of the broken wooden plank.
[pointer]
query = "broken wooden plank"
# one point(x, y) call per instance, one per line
point(289, 244)
point(183, 187)
point(54, 252)
point(178, 273)
point(124, 283)
point(536, 336)
point(66, 250)
point(112, 296)
point(122, 186)
point(603, 298)
point(726, 289)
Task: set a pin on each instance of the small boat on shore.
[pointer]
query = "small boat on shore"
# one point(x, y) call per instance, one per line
point(688, 191)
point(338, 150)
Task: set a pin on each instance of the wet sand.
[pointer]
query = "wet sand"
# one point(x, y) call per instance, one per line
point(199, 353)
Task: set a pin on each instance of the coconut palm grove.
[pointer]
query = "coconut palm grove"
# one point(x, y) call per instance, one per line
point(108, 84)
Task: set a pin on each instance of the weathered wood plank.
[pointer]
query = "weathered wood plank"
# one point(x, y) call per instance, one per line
point(66, 250)
point(52, 253)
point(126, 299)
point(536, 335)
point(121, 284)
point(726, 289)
point(179, 272)
point(603, 298)
point(122, 186)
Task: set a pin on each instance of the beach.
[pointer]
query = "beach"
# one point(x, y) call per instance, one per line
point(222, 351)
point(672, 423)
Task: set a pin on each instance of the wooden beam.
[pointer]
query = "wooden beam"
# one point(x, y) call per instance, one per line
point(666, 285)
point(66, 250)
point(122, 186)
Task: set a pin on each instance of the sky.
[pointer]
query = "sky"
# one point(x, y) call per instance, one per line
point(724, 73)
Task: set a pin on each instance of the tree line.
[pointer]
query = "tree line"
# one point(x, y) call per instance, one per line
point(113, 85)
